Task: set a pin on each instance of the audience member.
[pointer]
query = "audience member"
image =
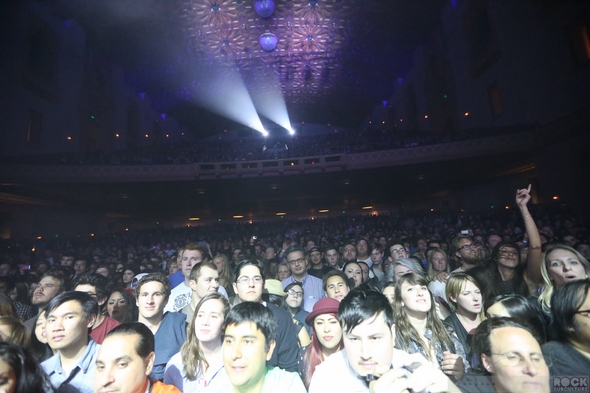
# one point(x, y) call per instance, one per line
point(336, 285)
point(312, 286)
point(248, 285)
point(249, 339)
point(354, 272)
point(169, 328)
point(125, 361)
point(98, 287)
point(70, 317)
point(121, 306)
point(204, 279)
point(200, 358)
point(326, 338)
point(20, 371)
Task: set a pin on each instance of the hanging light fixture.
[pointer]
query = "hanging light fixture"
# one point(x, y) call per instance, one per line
point(264, 8)
point(268, 41)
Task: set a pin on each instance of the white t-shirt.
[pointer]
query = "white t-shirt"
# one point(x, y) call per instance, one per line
point(181, 296)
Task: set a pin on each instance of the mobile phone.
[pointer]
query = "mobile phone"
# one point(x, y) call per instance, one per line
point(464, 232)
point(254, 237)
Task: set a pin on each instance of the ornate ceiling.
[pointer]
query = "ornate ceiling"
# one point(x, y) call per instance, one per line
point(334, 60)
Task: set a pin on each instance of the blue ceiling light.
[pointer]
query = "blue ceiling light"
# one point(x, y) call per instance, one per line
point(268, 41)
point(264, 8)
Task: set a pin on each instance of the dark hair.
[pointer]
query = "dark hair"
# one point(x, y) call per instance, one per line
point(294, 248)
point(363, 303)
point(28, 375)
point(481, 343)
point(250, 261)
point(520, 308)
point(87, 302)
point(58, 274)
point(519, 285)
point(101, 284)
point(157, 277)
point(257, 314)
point(132, 312)
point(196, 270)
point(22, 293)
point(565, 303)
point(333, 273)
point(7, 307)
point(145, 344)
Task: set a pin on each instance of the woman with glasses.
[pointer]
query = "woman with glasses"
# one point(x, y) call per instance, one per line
point(419, 329)
point(510, 357)
point(326, 338)
point(200, 357)
point(294, 299)
point(569, 354)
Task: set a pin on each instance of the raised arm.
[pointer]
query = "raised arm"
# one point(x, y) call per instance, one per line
point(534, 259)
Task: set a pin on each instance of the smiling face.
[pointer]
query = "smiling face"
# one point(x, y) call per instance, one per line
point(369, 346)
point(415, 298)
point(328, 331)
point(209, 321)
point(469, 298)
point(532, 375)
point(336, 288)
point(151, 300)
point(245, 356)
point(354, 271)
point(564, 266)
point(508, 257)
point(119, 368)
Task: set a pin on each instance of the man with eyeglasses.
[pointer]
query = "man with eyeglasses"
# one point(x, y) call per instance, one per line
point(312, 286)
point(248, 287)
point(349, 253)
point(99, 288)
point(465, 253)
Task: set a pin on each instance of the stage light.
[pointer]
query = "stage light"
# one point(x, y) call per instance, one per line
point(323, 211)
point(225, 94)
point(269, 101)
point(367, 207)
point(194, 219)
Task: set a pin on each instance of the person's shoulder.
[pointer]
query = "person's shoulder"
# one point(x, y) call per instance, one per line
point(175, 360)
point(180, 288)
point(160, 387)
point(175, 317)
point(278, 379)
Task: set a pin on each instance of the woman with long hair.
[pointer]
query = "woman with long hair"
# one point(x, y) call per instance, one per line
point(418, 328)
point(20, 371)
point(326, 338)
point(200, 357)
point(561, 264)
point(467, 303)
point(121, 306)
point(7, 308)
point(221, 261)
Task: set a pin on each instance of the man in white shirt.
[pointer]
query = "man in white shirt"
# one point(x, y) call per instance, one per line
point(368, 362)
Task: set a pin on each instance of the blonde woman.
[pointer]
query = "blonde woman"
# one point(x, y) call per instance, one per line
point(466, 301)
point(221, 261)
point(561, 264)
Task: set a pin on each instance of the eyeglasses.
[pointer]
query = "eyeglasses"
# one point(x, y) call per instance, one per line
point(294, 293)
point(246, 280)
point(514, 359)
point(296, 261)
point(585, 313)
point(466, 247)
point(349, 249)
